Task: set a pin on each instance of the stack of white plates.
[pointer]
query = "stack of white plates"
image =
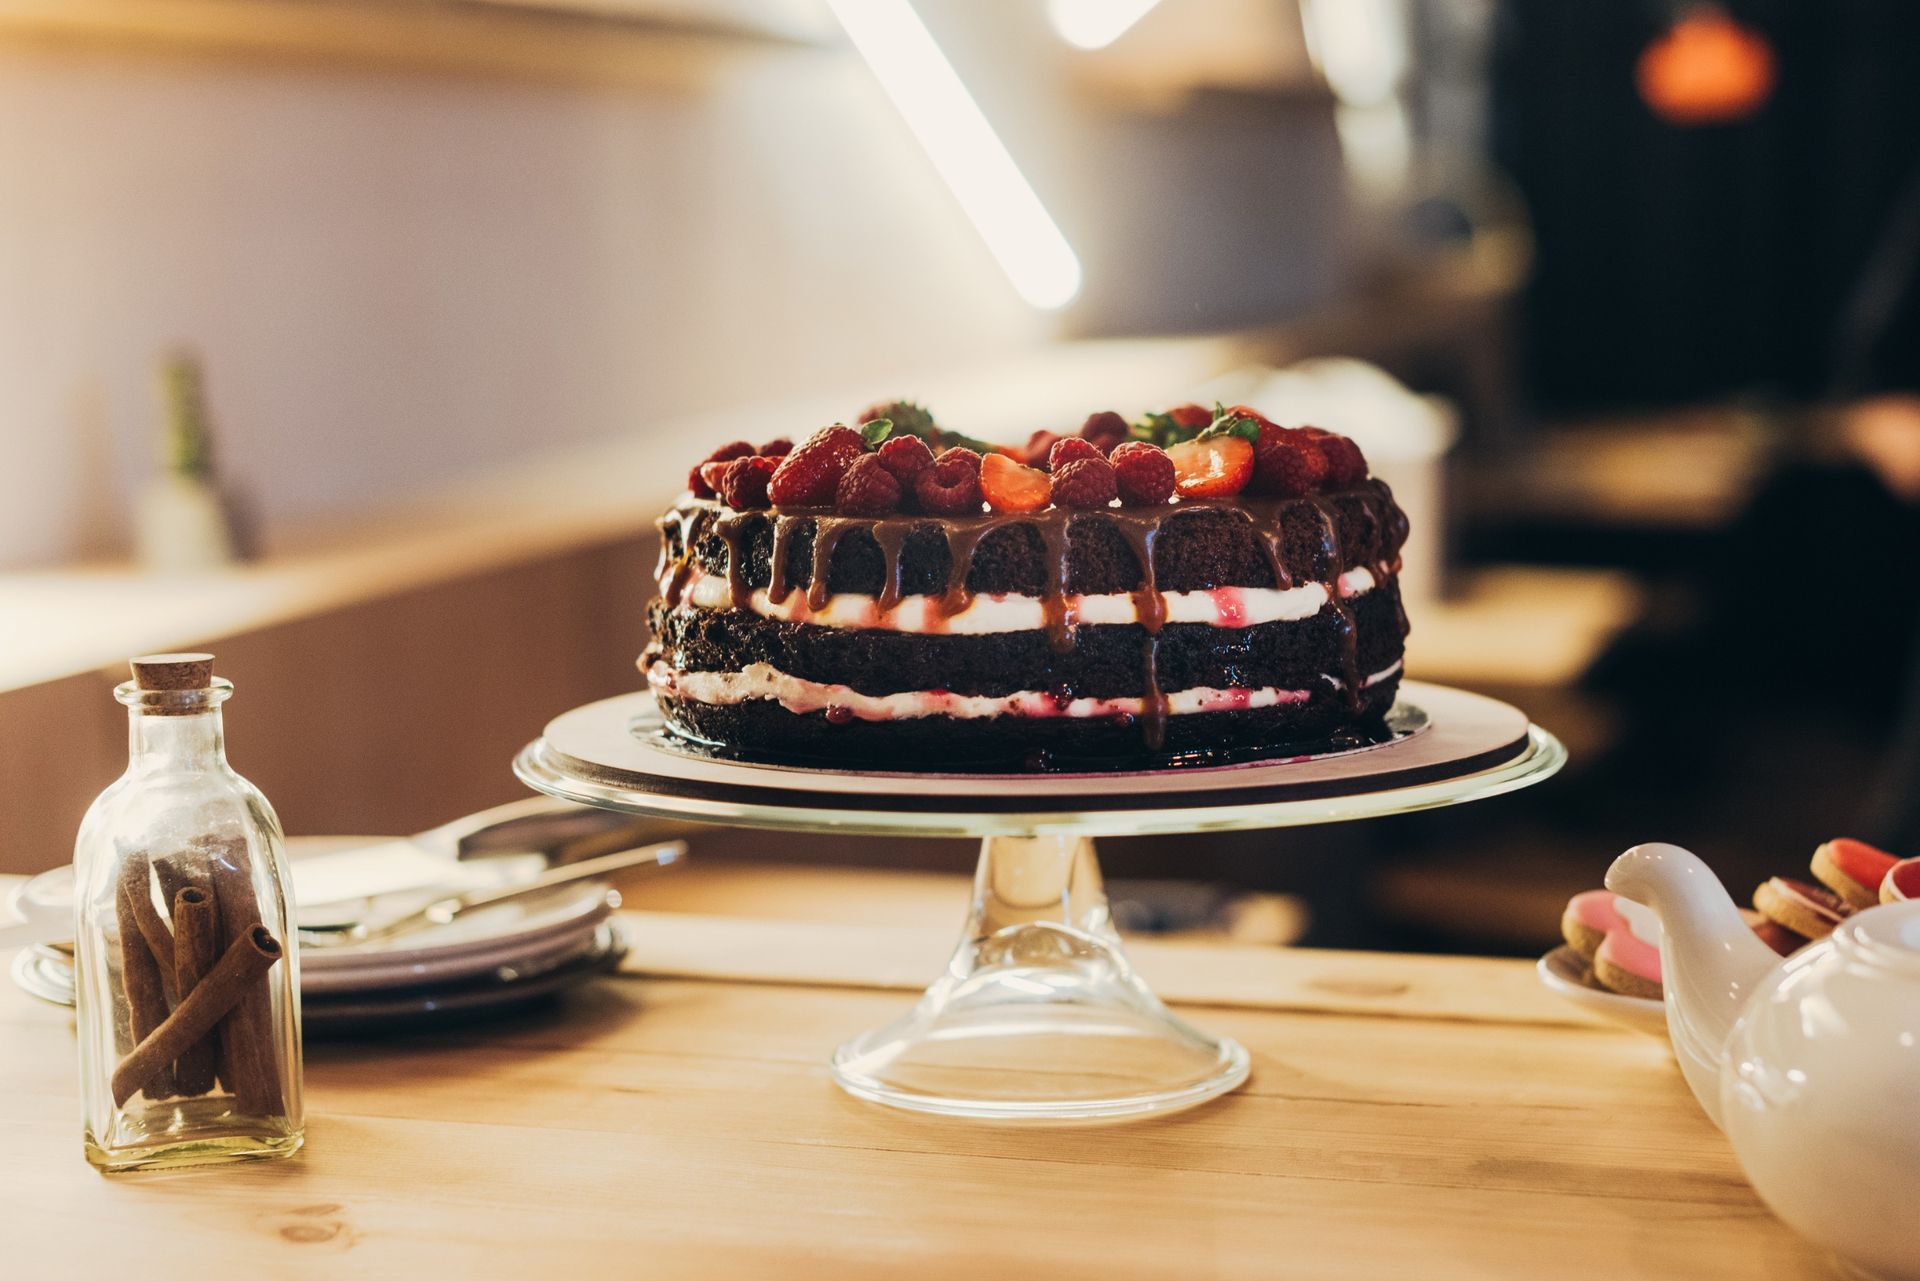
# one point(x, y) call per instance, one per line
point(485, 961)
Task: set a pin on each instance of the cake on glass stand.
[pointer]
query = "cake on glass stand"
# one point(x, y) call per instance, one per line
point(1038, 1015)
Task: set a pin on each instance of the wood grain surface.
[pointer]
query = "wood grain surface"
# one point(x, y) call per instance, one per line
point(1407, 1117)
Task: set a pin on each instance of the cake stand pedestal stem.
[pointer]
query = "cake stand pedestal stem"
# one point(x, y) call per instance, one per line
point(1038, 1016)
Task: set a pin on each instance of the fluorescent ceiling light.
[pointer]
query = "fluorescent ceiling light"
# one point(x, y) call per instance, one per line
point(963, 147)
point(1095, 24)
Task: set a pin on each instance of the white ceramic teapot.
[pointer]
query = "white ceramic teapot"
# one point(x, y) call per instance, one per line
point(1811, 1065)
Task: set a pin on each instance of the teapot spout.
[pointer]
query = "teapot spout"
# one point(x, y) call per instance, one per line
point(1711, 962)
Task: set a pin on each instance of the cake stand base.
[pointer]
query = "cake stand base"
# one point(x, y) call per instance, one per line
point(1039, 1017)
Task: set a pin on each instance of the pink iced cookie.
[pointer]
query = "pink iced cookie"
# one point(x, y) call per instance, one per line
point(1628, 964)
point(1589, 918)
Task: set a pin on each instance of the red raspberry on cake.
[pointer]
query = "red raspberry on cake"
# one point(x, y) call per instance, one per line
point(1069, 448)
point(1287, 463)
point(951, 487)
point(1143, 474)
point(1346, 465)
point(743, 482)
point(809, 475)
point(727, 452)
point(1083, 482)
point(906, 457)
point(1105, 431)
point(867, 488)
point(1216, 467)
point(1009, 487)
point(778, 447)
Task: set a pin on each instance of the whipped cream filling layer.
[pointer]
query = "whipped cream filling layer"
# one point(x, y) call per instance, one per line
point(989, 614)
point(765, 681)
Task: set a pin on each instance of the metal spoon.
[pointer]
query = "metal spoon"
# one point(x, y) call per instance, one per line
point(442, 911)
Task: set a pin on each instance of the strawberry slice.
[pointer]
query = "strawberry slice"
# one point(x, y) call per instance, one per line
point(1010, 487)
point(1212, 468)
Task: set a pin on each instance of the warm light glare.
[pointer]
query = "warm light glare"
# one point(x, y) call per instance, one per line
point(963, 148)
point(1359, 46)
point(1095, 24)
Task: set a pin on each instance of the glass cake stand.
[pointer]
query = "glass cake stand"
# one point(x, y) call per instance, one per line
point(1038, 1015)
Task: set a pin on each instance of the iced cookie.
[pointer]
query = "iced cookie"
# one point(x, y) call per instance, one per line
point(1902, 883)
point(1628, 964)
point(1805, 909)
point(1853, 870)
point(1589, 918)
point(1772, 933)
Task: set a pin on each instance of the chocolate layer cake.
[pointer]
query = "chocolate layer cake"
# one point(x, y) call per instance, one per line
point(1117, 632)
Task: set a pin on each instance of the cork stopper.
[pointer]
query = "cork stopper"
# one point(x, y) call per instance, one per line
point(173, 671)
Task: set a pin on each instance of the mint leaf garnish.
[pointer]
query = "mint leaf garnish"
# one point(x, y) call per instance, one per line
point(1227, 423)
point(876, 430)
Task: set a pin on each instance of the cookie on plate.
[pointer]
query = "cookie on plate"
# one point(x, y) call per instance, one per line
point(1807, 910)
point(1853, 870)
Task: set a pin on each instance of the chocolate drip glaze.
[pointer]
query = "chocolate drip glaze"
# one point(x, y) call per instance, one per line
point(892, 538)
point(1381, 532)
point(1349, 634)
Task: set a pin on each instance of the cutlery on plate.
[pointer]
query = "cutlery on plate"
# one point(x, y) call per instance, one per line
point(442, 911)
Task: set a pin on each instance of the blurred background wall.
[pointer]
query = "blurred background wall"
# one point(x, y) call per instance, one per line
point(398, 280)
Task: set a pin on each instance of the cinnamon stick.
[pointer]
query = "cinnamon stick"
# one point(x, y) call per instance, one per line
point(140, 979)
point(196, 948)
point(240, 967)
point(139, 896)
point(246, 1058)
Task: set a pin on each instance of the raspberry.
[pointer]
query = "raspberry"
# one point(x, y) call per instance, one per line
point(1104, 430)
point(951, 486)
point(1039, 445)
point(867, 488)
point(1211, 468)
point(1287, 463)
point(743, 482)
point(1346, 465)
point(779, 447)
point(1191, 417)
point(1009, 487)
point(699, 485)
point(906, 457)
point(1084, 482)
point(1069, 448)
point(808, 476)
point(1143, 474)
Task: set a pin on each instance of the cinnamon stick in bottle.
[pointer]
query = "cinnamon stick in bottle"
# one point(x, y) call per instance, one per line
point(196, 948)
point(245, 1057)
point(134, 878)
point(140, 981)
point(218, 992)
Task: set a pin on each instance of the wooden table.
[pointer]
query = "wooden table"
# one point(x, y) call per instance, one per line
point(1408, 1117)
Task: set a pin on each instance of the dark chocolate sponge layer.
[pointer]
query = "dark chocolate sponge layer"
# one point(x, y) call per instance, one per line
point(1015, 742)
point(1105, 661)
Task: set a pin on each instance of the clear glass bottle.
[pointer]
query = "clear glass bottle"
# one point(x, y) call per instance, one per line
point(187, 974)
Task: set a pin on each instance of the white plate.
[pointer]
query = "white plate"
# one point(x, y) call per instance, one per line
point(423, 967)
point(517, 925)
point(379, 1012)
point(1566, 973)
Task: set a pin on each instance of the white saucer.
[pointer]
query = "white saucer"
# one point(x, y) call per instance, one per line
point(1566, 973)
point(328, 971)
